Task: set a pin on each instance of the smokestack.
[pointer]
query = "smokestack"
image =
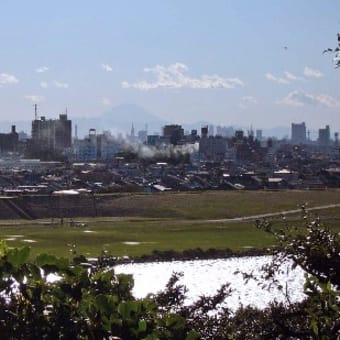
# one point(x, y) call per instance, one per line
point(13, 128)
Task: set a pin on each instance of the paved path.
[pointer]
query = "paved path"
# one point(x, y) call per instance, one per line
point(274, 214)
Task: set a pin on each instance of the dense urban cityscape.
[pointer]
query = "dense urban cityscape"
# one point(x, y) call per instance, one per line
point(53, 159)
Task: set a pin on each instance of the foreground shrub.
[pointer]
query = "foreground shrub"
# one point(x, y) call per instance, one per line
point(90, 301)
point(84, 301)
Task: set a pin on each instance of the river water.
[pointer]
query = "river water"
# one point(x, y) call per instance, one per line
point(205, 277)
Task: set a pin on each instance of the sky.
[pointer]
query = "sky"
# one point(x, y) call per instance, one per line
point(229, 62)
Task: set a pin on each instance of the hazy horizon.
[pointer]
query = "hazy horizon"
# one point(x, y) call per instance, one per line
point(232, 63)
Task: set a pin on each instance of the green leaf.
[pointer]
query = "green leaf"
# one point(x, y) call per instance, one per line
point(51, 260)
point(314, 327)
point(116, 322)
point(112, 299)
point(142, 325)
point(152, 337)
point(125, 281)
point(126, 308)
point(175, 321)
point(102, 304)
point(3, 248)
point(192, 335)
point(34, 272)
point(18, 256)
point(106, 323)
point(84, 279)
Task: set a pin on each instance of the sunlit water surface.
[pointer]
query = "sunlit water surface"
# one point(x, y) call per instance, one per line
point(205, 277)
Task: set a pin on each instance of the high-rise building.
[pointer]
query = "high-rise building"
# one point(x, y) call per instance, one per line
point(225, 131)
point(213, 147)
point(53, 134)
point(324, 137)
point(9, 141)
point(63, 132)
point(142, 136)
point(174, 133)
point(211, 130)
point(336, 138)
point(299, 133)
point(239, 134)
point(204, 132)
point(259, 136)
point(86, 149)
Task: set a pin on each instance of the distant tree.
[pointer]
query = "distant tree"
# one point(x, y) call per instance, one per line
point(128, 155)
point(336, 53)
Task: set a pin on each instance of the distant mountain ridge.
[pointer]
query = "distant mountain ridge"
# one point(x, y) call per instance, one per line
point(120, 119)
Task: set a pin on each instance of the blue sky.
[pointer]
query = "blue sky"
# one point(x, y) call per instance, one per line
point(184, 61)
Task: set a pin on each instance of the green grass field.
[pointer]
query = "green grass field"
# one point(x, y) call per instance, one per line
point(134, 238)
point(131, 235)
point(216, 204)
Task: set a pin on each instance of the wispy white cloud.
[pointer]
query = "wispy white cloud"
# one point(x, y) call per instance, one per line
point(44, 84)
point(60, 85)
point(328, 101)
point(55, 83)
point(34, 98)
point(6, 78)
point(301, 98)
point(312, 73)
point(173, 76)
point(291, 77)
point(287, 78)
point(105, 101)
point(42, 69)
point(106, 67)
point(279, 80)
point(247, 101)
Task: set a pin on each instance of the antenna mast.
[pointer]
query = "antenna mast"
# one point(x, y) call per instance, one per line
point(35, 111)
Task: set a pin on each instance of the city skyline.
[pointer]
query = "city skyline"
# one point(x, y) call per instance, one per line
point(234, 63)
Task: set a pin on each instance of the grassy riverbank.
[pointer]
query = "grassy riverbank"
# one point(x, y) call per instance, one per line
point(198, 223)
point(134, 238)
point(212, 204)
point(138, 237)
